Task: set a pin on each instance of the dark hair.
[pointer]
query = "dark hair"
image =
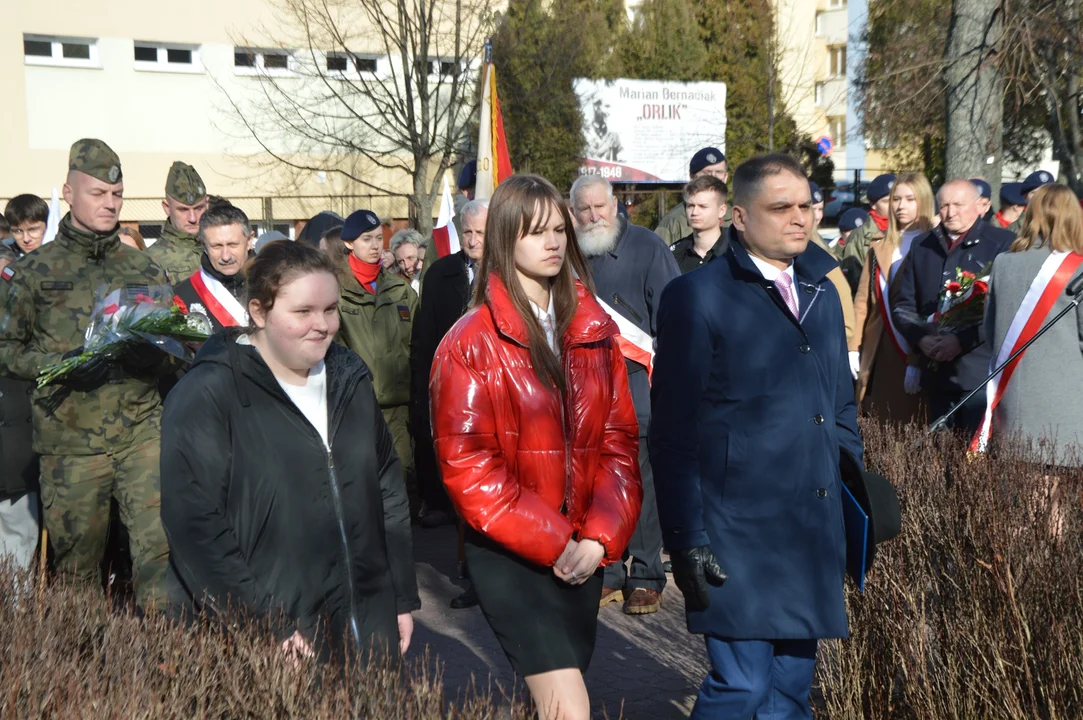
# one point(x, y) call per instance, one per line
point(26, 208)
point(520, 203)
point(280, 263)
point(706, 183)
point(752, 172)
point(214, 201)
point(5, 227)
point(221, 215)
point(340, 256)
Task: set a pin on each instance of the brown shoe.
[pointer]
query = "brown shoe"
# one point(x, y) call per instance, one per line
point(610, 595)
point(642, 602)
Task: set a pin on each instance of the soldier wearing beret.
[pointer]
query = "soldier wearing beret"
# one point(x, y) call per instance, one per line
point(1029, 186)
point(376, 311)
point(179, 250)
point(97, 430)
point(852, 254)
point(674, 226)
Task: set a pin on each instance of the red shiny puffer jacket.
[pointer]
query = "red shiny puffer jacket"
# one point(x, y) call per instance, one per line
point(506, 460)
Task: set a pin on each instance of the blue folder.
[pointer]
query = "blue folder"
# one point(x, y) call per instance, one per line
point(857, 537)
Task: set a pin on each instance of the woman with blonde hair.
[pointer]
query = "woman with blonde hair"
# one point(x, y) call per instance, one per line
point(887, 378)
point(1037, 397)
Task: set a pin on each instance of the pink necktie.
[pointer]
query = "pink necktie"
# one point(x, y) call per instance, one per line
point(785, 288)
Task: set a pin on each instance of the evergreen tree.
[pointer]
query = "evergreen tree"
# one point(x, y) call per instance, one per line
point(663, 43)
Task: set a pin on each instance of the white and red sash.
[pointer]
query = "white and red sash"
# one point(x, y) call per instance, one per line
point(1042, 295)
point(634, 344)
point(882, 302)
point(218, 300)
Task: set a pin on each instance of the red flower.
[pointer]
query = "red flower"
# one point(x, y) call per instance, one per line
point(180, 304)
point(980, 286)
point(968, 275)
point(953, 287)
point(110, 309)
point(143, 298)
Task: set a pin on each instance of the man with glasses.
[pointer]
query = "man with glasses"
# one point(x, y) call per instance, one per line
point(28, 216)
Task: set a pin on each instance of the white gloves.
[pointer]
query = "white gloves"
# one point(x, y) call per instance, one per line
point(912, 383)
point(855, 363)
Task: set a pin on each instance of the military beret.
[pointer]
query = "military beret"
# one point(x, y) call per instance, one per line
point(817, 193)
point(96, 159)
point(184, 185)
point(468, 176)
point(1035, 180)
point(852, 219)
point(1012, 194)
point(703, 158)
point(880, 187)
point(985, 188)
point(358, 223)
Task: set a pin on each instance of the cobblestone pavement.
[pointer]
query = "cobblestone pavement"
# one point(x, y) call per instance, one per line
point(644, 668)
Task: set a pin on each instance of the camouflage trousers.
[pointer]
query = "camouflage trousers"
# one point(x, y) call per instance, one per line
point(397, 418)
point(76, 491)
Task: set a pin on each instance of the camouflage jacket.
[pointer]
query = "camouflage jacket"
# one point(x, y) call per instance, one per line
point(177, 252)
point(46, 299)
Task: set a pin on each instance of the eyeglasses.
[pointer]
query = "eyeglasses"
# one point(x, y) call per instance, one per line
point(36, 233)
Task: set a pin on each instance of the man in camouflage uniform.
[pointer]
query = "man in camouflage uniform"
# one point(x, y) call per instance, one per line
point(97, 430)
point(178, 250)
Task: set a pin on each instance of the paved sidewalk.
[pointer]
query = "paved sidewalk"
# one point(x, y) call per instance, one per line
point(648, 665)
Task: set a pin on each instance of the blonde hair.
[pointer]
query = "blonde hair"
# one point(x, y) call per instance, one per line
point(1053, 218)
point(923, 193)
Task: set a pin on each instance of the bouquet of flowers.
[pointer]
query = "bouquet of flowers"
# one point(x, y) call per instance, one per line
point(962, 301)
point(118, 321)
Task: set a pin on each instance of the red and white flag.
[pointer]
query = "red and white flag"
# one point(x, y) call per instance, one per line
point(1041, 296)
point(444, 234)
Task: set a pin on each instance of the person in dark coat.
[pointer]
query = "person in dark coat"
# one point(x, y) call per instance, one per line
point(318, 226)
point(954, 361)
point(282, 495)
point(751, 411)
point(631, 267)
point(216, 290)
point(19, 507)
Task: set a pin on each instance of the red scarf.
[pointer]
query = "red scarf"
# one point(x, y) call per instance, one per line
point(881, 222)
point(1000, 219)
point(365, 272)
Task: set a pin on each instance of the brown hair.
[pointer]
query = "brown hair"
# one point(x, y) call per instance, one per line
point(521, 203)
point(278, 264)
point(923, 194)
point(1053, 218)
point(706, 183)
point(134, 235)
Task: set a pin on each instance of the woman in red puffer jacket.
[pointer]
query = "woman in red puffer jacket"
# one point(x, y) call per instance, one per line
point(538, 443)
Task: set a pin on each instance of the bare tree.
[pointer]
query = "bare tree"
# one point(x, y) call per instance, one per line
point(975, 91)
point(375, 89)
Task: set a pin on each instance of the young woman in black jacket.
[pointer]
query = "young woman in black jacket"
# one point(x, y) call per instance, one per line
point(282, 495)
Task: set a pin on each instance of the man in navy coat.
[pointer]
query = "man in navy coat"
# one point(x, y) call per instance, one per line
point(753, 401)
point(958, 360)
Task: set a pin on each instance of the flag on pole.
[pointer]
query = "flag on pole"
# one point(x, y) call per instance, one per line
point(444, 235)
point(52, 225)
point(494, 163)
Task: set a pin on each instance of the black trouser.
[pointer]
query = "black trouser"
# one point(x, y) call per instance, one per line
point(966, 419)
point(645, 548)
point(429, 484)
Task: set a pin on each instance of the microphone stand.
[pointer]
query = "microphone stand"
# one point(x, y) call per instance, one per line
point(941, 423)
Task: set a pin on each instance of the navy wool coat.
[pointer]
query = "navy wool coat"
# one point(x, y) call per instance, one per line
point(751, 408)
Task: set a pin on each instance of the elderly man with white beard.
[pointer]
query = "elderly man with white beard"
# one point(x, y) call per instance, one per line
point(631, 266)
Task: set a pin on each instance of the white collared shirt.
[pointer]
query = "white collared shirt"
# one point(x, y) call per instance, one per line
point(548, 320)
point(770, 272)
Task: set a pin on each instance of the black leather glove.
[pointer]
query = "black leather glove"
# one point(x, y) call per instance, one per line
point(139, 357)
point(90, 375)
point(693, 569)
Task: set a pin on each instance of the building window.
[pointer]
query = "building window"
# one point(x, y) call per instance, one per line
point(167, 58)
point(836, 129)
point(60, 51)
point(254, 61)
point(150, 230)
point(819, 24)
point(835, 4)
point(819, 99)
point(338, 62)
point(838, 61)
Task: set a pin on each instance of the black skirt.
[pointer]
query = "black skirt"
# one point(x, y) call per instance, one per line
point(541, 622)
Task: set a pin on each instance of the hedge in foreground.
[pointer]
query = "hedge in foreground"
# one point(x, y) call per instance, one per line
point(65, 653)
point(976, 610)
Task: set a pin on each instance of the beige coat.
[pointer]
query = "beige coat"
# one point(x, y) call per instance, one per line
point(839, 281)
point(879, 388)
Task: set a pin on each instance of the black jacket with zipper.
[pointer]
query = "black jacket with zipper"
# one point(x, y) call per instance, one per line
point(260, 516)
